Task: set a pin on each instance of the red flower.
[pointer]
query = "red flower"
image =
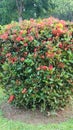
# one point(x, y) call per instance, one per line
point(4, 36)
point(19, 38)
point(42, 56)
point(12, 59)
point(42, 68)
point(50, 39)
point(63, 22)
point(8, 54)
point(50, 67)
point(24, 90)
point(58, 32)
point(35, 55)
point(11, 98)
point(31, 19)
point(21, 32)
point(38, 68)
point(25, 44)
point(45, 67)
point(35, 49)
point(22, 59)
point(54, 32)
point(14, 31)
point(30, 38)
point(60, 45)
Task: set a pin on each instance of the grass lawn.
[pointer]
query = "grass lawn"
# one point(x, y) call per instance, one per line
point(12, 125)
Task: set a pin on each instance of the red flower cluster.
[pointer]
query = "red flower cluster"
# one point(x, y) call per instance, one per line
point(19, 38)
point(45, 67)
point(4, 36)
point(22, 59)
point(11, 98)
point(8, 54)
point(30, 38)
point(58, 32)
point(25, 44)
point(24, 90)
point(12, 59)
point(61, 45)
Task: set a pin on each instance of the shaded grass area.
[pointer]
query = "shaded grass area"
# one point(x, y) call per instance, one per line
point(6, 124)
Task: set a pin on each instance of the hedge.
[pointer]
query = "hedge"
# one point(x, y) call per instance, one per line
point(36, 62)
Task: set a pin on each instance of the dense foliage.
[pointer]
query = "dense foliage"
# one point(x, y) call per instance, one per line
point(37, 63)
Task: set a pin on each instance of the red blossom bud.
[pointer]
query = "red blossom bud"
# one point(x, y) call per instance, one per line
point(24, 90)
point(11, 98)
point(8, 54)
point(50, 67)
point(60, 45)
point(25, 44)
point(22, 59)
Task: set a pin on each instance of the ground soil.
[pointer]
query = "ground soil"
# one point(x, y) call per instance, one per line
point(36, 117)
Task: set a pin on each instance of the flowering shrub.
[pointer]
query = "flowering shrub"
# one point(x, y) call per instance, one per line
point(37, 63)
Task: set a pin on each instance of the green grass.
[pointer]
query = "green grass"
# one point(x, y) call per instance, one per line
point(6, 124)
point(11, 125)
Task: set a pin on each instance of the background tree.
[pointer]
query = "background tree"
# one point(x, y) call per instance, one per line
point(63, 9)
point(38, 8)
point(24, 9)
point(16, 10)
point(8, 11)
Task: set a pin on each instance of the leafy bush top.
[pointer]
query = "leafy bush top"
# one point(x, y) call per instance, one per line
point(36, 60)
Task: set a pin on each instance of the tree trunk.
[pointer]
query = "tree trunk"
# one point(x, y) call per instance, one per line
point(20, 19)
point(20, 7)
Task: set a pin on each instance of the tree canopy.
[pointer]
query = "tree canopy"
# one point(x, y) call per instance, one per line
point(16, 10)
